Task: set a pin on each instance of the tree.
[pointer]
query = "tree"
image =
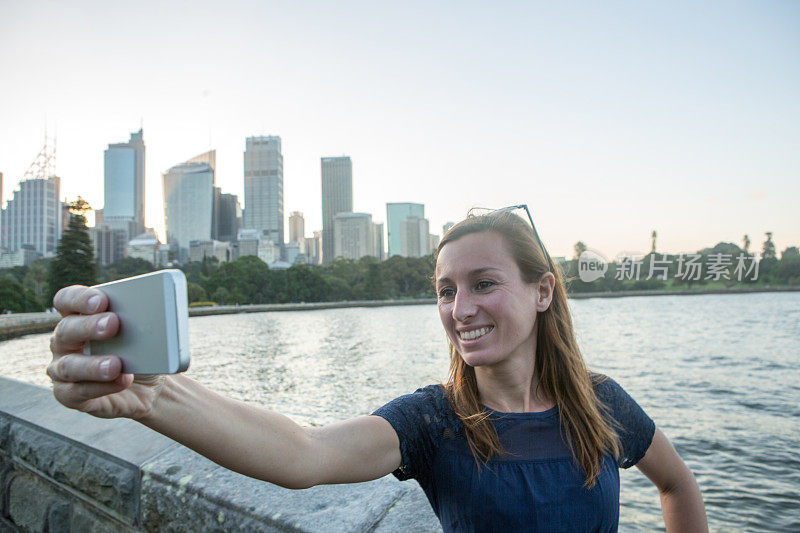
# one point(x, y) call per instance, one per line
point(36, 278)
point(195, 293)
point(746, 243)
point(374, 282)
point(653, 242)
point(125, 267)
point(768, 249)
point(16, 298)
point(74, 261)
point(580, 247)
point(791, 251)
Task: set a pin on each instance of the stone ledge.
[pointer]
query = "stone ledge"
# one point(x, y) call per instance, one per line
point(106, 475)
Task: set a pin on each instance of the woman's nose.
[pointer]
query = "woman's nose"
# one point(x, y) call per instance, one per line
point(464, 306)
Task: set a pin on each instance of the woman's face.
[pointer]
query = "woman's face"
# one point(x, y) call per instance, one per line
point(486, 308)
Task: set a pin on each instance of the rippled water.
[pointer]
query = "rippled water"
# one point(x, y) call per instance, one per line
point(718, 374)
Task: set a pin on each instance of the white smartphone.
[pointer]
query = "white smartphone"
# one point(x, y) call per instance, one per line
point(153, 313)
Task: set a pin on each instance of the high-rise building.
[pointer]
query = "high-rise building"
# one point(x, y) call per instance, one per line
point(313, 249)
point(209, 158)
point(263, 187)
point(297, 227)
point(32, 217)
point(446, 227)
point(147, 246)
point(109, 243)
point(124, 185)
point(227, 215)
point(337, 197)
point(377, 241)
point(188, 206)
point(353, 235)
point(401, 241)
point(415, 237)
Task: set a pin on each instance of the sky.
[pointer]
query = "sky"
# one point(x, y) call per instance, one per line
point(609, 119)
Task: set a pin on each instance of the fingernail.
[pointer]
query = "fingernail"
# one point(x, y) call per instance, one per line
point(102, 323)
point(105, 368)
point(93, 303)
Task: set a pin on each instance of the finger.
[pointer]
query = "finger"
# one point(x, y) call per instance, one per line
point(74, 330)
point(76, 395)
point(78, 299)
point(76, 367)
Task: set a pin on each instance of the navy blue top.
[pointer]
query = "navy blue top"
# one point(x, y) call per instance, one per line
point(538, 487)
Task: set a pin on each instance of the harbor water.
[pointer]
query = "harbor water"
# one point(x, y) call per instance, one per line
point(717, 373)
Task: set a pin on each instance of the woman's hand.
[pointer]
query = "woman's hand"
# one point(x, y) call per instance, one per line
point(94, 384)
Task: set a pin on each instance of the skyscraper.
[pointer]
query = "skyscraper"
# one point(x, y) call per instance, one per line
point(337, 197)
point(33, 216)
point(353, 235)
point(404, 238)
point(124, 185)
point(377, 241)
point(227, 213)
point(263, 187)
point(188, 206)
point(297, 227)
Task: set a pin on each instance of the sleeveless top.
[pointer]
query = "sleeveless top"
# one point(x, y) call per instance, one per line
point(538, 486)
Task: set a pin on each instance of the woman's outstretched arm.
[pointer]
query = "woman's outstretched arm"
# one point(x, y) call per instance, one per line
point(269, 446)
point(253, 441)
point(681, 501)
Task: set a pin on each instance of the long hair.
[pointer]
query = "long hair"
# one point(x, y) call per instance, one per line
point(562, 373)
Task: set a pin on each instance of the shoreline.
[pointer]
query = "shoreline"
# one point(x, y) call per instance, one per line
point(20, 324)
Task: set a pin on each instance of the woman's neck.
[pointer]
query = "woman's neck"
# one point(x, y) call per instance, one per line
point(511, 387)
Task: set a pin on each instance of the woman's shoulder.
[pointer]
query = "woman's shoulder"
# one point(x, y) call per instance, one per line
point(431, 398)
point(605, 387)
point(634, 428)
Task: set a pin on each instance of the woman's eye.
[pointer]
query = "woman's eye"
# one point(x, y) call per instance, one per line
point(446, 293)
point(484, 284)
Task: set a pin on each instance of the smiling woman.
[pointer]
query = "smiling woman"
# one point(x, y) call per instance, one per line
point(521, 404)
point(522, 437)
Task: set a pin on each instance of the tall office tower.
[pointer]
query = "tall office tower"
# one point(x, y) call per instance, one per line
point(188, 206)
point(396, 215)
point(263, 187)
point(33, 217)
point(227, 215)
point(109, 243)
point(297, 227)
point(314, 249)
point(377, 241)
point(124, 185)
point(210, 158)
point(415, 237)
point(434, 243)
point(352, 235)
point(337, 197)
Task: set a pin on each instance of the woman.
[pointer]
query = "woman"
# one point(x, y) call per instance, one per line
point(522, 437)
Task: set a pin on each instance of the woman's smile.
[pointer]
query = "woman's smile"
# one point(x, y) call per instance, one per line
point(473, 335)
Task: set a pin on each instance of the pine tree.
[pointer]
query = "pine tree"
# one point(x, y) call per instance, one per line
point(74, 262)
point(768, 250)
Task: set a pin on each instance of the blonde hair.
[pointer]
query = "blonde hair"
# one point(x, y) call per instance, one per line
point(562, 373)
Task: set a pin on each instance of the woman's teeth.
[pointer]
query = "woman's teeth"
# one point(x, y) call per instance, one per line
point(474, 334)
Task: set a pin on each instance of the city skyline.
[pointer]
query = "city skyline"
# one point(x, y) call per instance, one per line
point(608, 122)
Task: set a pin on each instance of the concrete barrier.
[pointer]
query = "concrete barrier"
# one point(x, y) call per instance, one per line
point(18, 324)
point(62, 470)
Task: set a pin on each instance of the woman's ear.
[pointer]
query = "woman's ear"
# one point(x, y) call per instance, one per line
point(544, 291)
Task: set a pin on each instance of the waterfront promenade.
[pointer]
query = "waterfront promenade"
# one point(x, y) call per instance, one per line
point(62, 470)
point(16, 325)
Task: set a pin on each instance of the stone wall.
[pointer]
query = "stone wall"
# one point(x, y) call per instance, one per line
point(62, 470)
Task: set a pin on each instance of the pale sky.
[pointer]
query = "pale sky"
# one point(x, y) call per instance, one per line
point(609, 119)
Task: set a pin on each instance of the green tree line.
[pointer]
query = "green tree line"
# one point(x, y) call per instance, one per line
point(248, 280)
